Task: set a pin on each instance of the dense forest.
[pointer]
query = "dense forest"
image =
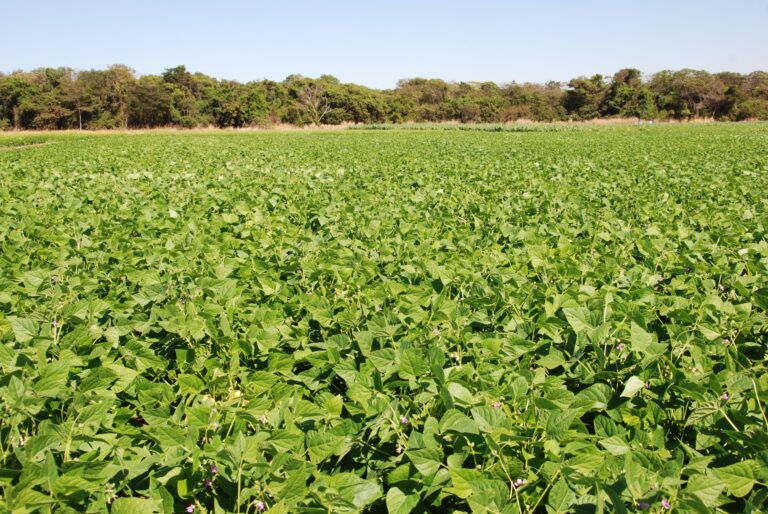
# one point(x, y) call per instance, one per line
point(63, 98)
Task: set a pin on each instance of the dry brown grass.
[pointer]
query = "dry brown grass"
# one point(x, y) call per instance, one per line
point(284, 127)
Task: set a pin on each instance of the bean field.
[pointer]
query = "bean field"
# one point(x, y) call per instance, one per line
point(385, 321)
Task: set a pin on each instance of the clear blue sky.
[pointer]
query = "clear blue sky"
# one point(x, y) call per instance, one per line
point(378, 42)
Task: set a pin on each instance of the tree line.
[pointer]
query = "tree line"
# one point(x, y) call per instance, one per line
point(63, 98)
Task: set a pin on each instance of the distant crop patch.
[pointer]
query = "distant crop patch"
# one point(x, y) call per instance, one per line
point(386, 321)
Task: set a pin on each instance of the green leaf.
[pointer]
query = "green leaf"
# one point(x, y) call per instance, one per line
point(702, 411)
point(400, 503)
point(412, 365)
point(632, 386)
point(284, 440)
point(579, 320)
point(322, 445)
point(639, 338)
point(638, 478)
point(462, 480)
point(426, 460)
point(599, 394)
point(739, 478)
point(559, 422)
point(488, 496)
point(561, 497)
point(295, 486)
point(189, 384)
point(357, 491)
point(706, 488)
point(24, 329)
point(456, 421)
point(53, 380)
point(135, 506)
point(459, 394)
point(616, 445)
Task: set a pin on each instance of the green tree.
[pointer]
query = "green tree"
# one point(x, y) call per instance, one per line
point(586, 97)
point(149, 103)
point(628, 96)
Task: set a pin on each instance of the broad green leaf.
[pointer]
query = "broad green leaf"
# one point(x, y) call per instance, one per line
point(560, 497)
point(739, 478)
point(358, 491)
point(706, 488)
point(426, 460)
point(400, 503)
point(456, 421)
point(135, 506)
point(632, 386)
point(639, 338)
point(24, 329)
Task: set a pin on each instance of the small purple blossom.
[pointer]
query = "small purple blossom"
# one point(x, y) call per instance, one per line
point(214, 469)
point(260, 505)
point(665, 503)
point(203, 440)
point(647, 384)
point(191, 508)
point(207, 483)
point(496, 405)
point(620, 346)
point(55, 323)
point(403, 420)
point(215, 425)
point(725, 397)
point(643, 505)
point(519, 482)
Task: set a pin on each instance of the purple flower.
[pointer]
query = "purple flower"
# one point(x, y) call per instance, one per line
point(725, 397)
point(403, 420)
point(207, 483)
point(55, 323)
point(203, 439)
point(215, 425)
point(191, 508)
point(496, 405)
point(647, 384)
point(214, 469)
point(643, 506)
point(665, 503)
point(620, 346)
point(519, 482)
point(260, 505)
